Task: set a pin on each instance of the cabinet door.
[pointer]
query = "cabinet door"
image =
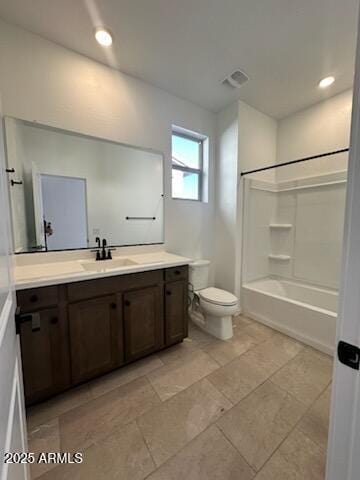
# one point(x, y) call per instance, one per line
point(45, 354)
point(143, 322)
point(176, 326)
point(96, 338)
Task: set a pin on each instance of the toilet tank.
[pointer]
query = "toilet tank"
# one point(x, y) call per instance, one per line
point(199, 274)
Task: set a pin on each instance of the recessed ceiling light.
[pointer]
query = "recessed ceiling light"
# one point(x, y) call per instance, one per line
point(326, 82)
point(103, 36)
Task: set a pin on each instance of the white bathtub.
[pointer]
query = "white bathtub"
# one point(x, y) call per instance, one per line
point(307, 313)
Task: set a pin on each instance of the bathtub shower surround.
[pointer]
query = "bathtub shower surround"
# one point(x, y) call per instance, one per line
point(292, 254)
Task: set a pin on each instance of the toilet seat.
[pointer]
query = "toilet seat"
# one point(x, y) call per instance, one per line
point(217, 296)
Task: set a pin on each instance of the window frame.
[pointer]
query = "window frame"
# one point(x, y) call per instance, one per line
point(199, 171)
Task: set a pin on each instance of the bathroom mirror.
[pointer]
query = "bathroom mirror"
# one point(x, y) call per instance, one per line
point(67, 189)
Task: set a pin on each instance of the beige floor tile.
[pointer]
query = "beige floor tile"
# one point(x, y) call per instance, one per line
point(278, 349)
point(298, 458)
point(241, 376)
point(210, 456)
point(170, 426)
point(176, 376)
point(306, 376)
point(315, 424)
point(58, 405)
point(199, 337)
point(240, 321)
point(122, 455)
point(80, 427)
point(177, 352)
point(258, 331)
point(124, 375)
point(43, 438)
point(225, 351)
point(258, 424)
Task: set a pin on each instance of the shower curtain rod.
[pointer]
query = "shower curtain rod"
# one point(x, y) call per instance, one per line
point(291, 162)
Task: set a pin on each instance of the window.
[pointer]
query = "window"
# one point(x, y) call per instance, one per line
point(187, 166)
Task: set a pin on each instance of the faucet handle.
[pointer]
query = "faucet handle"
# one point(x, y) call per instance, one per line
point(97, 251)
point(109, 255)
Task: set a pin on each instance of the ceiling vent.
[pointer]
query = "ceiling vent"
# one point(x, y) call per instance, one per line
point(236, 79)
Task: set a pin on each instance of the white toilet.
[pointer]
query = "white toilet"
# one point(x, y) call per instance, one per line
point(211, 309)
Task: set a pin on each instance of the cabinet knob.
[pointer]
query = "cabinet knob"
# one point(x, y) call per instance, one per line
point(54, 320)
point(168, 292)
point(34, 298)
point(127, 303)
point(113, 306)
point(177, 272)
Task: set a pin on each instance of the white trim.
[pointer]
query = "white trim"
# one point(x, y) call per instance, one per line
point(6, 313)
point(15, 400)
point(343, 462)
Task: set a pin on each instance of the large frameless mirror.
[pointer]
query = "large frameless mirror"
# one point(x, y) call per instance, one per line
point(67, 189)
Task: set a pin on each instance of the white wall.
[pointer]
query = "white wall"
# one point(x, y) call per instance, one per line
point(257, 140)
point(226, 197)
point(324, 127)
point(246, 140)
point(42, 81)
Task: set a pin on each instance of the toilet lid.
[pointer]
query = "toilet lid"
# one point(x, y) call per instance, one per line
point(217, 296)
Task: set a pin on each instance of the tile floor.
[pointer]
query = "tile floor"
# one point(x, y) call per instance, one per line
point(255, 407)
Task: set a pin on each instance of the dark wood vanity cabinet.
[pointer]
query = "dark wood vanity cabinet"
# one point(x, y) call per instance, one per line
point(44, 344)
point(143, 322)
point(96, 339)
point(176, 294)
point(75, 332)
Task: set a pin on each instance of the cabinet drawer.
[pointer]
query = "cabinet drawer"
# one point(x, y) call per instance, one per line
point(35, 298)
point(176, 273)
point(107, 286)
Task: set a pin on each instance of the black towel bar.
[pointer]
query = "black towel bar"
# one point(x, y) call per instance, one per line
point(140, 218)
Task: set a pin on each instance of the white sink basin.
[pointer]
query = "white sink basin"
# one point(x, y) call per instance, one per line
point(103, 265)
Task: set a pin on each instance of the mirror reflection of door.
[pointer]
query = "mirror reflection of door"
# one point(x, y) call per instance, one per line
point(64, 211)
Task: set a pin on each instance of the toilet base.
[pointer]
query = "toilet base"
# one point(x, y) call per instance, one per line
point(219, 327)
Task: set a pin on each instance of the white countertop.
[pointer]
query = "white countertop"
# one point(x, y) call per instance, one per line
point(31, 274)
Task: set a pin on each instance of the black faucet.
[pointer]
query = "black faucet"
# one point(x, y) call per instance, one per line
point(101, 253)
point(103, 250)
point(97, 240)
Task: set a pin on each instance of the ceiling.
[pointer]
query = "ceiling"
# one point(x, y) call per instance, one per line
point(187, 47)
